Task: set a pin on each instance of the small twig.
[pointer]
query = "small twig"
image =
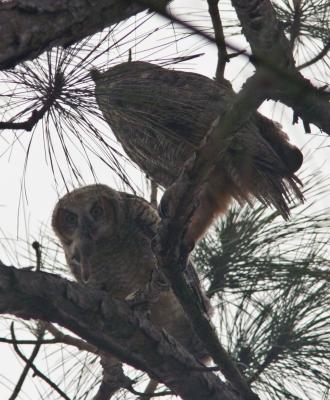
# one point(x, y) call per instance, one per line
point(29, 364)
point(29, 342)
point(29, 361)
point(60, 337)
point(219, 38)
point(37, 247)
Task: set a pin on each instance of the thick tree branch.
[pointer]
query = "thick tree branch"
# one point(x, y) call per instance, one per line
point(271, 50)
point(269, 44)
point(28, 27)
point(263, 32)
point(172, 249)
point(111, 326)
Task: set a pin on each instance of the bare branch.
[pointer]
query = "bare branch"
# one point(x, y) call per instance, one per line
point(219, 38)
point(37, 248)
point(29, 364)
point(29, 361)
point(60, 337)
point(113, 378)
point(29, 342)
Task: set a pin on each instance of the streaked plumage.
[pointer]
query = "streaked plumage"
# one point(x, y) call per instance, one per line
point(106, 236)
point(161, 116)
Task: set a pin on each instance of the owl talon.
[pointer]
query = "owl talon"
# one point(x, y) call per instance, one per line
point(138, 299)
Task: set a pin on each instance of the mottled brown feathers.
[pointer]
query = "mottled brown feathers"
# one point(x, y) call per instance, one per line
point(161, 116)
point(108, 247)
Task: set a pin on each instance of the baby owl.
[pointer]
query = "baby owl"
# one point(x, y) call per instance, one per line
point(106, 237)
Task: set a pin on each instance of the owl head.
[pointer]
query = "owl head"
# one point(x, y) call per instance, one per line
point(82, 219)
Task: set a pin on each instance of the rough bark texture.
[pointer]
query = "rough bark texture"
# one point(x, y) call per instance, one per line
point(171, 249)
point(115, 329)
point(269, 44)
point(28, 27)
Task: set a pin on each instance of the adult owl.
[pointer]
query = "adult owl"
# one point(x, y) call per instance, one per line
point(161, 116)
point(106, 237)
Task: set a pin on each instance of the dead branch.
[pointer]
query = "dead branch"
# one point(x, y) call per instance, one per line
point(219, 38)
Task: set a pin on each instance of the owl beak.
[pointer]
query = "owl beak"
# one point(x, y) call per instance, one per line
point(85, 270)
point(86, 248)
point(81, 257)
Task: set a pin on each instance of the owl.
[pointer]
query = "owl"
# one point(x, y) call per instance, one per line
point(106, 237)
point(162, 116)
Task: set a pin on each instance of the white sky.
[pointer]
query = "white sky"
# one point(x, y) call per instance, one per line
point(23, 222)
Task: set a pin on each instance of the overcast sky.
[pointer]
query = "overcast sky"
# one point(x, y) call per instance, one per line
point(22, 214)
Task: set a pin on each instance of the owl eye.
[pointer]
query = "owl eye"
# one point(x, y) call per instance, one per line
point(70, 219)
point(96, 211)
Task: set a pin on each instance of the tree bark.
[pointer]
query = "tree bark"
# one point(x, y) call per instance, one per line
point(272, 50)
point(29, 27)
point(111, 326)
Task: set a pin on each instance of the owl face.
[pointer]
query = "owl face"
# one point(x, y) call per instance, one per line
point(82, 220)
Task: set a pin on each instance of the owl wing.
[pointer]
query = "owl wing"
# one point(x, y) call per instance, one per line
point(148, 220)
point(161, 116)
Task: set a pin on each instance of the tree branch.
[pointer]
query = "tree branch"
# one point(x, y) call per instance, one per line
point(29, 364)
point(109, 325)
point(29, 27)
point(219, 38)
point(172, 249)
point(269, 44)
point(60, 337)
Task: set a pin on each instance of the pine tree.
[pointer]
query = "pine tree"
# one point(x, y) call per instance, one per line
point(268, 280)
